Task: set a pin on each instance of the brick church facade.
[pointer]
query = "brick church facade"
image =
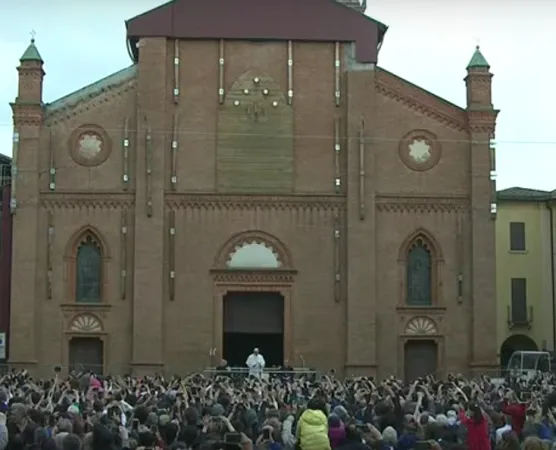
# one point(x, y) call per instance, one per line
point(253, 182)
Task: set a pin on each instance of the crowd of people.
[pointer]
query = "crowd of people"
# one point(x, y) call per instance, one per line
point(283, 411)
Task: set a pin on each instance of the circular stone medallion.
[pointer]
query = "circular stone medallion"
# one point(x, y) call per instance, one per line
point(89, 145)
point(420, 150)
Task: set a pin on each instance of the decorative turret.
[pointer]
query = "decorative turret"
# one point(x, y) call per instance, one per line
point(478, 82)
point(358, 5)
point(31, 75)
point(481, 123)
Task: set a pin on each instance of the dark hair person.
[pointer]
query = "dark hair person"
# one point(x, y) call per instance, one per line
point(477, 428)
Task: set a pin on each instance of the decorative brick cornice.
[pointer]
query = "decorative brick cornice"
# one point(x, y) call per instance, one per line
point(259, 277)
point(27, 113)
point(84, 201)
point(420, 100)
point(247, 202)
point(26, 120)
point(83, 105)
point(420, 204)
point(482, 121)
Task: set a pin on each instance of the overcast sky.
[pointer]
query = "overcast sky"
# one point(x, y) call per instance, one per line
point(429, 42)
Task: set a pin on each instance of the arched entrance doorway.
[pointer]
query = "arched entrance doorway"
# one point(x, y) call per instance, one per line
point(514, 343)
point(253, 277)
point(421, 353)
point(85, 344)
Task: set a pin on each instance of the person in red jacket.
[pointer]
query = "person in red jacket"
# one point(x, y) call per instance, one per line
point(477, 428)
point(513, 408)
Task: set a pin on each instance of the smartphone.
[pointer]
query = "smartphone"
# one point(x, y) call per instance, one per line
point(232, 438)
point(266, 434)
point(135, 424)
point(422, 445)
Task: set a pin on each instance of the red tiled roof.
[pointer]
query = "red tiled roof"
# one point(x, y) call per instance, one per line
point(297, 20)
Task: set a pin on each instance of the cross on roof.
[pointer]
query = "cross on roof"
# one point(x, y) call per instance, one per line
point(33, 33)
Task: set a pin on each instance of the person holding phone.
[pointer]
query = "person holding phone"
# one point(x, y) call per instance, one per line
point(269, 437)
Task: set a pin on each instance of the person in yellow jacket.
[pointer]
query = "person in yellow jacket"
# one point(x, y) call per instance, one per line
point(312, 429)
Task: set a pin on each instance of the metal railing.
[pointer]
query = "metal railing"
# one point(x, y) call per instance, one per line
point(266, 373)
point(47, 371)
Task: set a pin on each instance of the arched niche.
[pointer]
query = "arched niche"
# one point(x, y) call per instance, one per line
point(255, 146)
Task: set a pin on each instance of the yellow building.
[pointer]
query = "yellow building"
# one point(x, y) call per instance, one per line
point(525, 271)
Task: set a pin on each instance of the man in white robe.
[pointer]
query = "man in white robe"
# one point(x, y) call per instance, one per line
point(255, 362)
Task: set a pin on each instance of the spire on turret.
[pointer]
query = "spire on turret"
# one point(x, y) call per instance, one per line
point(478, 61)
point(32, 53)
point(479, 82)
point(31, 75)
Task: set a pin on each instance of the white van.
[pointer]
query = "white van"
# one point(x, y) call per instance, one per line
point(527, 364)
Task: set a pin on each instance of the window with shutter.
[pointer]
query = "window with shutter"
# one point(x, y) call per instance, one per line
point(517, 236)
point(519, 301)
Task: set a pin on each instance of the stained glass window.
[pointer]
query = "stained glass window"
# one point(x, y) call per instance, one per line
point(88, 273)
point(419, 274)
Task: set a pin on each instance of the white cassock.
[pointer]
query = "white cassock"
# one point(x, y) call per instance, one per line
point(255, 363)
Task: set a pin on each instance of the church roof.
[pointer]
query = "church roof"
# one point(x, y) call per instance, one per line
point(307, 20)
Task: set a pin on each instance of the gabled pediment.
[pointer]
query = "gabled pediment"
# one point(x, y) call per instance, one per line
point(83, 97)
point(420, 100)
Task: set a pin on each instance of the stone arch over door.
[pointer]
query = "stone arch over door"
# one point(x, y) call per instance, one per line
point(255, 144)
point(253, 261)
point(90, 236)
point(85, 343)
point(419, 253)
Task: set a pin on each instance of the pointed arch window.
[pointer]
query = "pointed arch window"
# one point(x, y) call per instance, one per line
point(88, 271)
point(419, 272)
